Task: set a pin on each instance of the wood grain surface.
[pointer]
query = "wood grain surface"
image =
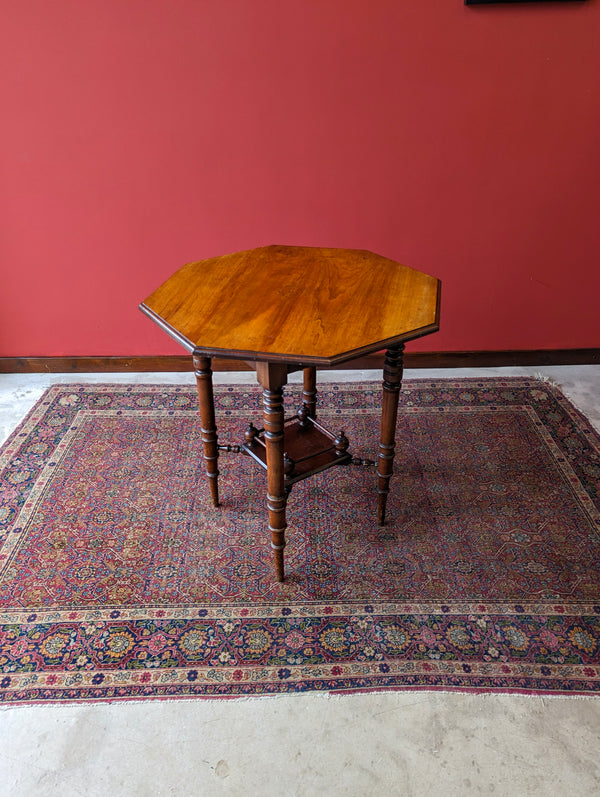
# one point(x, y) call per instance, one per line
point(295, 304)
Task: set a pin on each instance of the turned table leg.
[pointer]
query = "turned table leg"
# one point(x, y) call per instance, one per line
point(309, 391)
point(272, 378)
point(392, 378)
point(207, 423)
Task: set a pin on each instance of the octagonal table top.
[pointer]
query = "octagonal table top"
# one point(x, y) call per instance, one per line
point(295, 304)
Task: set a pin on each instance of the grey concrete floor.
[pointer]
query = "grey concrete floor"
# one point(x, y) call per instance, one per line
point(387, 743)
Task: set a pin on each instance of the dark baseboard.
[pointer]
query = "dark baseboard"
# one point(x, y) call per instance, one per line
point(447, 359)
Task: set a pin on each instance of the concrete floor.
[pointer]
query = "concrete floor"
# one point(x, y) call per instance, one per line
point(392, 743)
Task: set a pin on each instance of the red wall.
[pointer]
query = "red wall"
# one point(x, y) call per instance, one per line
point(137, 135)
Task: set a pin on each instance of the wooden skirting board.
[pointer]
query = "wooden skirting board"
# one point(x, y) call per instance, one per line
point(449, 359)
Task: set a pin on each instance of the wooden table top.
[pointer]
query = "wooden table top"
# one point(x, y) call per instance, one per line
point(295, 304)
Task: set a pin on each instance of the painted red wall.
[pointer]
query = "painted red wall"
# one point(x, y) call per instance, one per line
point(137, 135)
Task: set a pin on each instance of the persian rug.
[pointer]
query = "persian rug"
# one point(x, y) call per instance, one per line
point(119, 580)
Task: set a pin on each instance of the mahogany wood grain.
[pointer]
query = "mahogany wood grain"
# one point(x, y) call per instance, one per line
point(208, 426)
point(392, 379)
point(309, 391)
point(282, 308)
point(295, 304)
point(273, 378)
point(309, 449)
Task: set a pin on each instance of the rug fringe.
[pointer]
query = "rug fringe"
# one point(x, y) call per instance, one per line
point(399, 694)
point(547, 380)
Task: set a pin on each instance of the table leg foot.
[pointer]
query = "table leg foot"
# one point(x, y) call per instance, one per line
point(381, 505)
point(208, 424)
point(214, 490)
point(278, 558)
point(392, 379)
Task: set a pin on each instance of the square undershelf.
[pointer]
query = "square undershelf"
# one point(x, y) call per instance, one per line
point(309, 445)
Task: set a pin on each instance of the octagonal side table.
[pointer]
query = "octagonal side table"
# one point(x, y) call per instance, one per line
point(286, 308)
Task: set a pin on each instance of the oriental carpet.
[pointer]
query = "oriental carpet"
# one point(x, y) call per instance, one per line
point(119, 580)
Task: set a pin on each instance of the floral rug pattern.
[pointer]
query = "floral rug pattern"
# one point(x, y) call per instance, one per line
point(119, 580)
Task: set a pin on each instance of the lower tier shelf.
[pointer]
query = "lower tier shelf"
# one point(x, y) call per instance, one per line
point(309, 448)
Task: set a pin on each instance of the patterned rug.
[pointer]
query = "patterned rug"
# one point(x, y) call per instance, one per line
point(119, 580)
